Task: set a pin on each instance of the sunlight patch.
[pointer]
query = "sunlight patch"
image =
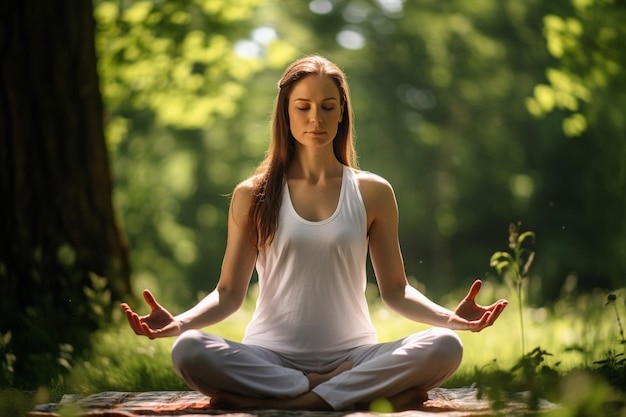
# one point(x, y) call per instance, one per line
point(351, 39)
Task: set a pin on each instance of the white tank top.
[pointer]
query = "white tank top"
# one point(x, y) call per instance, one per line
point(312, 281)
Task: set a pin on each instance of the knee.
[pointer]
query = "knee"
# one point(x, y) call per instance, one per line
point(448, 348)
point(187, 349)
point(435, 346)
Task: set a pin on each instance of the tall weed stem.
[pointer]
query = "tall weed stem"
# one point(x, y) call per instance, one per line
point(520, 310)
point(514, 265)
point(612, 299)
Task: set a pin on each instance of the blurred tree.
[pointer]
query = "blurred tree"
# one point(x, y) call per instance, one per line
point(62, 255)
point(583, 198)
point(174, 75)
point(441, 93)
point(439, 90)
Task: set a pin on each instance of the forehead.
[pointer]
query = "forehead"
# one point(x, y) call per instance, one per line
point(315, 87)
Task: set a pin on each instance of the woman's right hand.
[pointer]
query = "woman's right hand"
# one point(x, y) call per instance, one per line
point(159, 323)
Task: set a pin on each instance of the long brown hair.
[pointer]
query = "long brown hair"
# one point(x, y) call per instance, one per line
point(270, 174)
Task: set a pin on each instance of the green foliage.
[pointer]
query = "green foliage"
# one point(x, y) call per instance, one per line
point(173, 80)
point(582, 390)
point(443, 116)
point(585, 394)
point(18, 403)
point(119, 360)
point(98, 297)
point(613, 369)
point(582, 89)
point(160, 57)
point(578, 393)
point(7, 360)
point(530, 374)
point(46, 335)
point(586, 38)
point(144, 366)
point(613, 366)
point(515, 266)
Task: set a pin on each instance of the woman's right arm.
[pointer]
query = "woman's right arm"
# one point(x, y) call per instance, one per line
point(228, 295)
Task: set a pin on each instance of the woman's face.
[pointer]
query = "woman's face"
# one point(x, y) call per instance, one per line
point(315, 110)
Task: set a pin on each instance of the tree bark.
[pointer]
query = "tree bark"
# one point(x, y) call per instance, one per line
point(57, 222)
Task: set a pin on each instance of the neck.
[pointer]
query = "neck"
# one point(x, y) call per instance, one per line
point(314, 166)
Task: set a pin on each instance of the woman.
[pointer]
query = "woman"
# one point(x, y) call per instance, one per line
point(306, 219)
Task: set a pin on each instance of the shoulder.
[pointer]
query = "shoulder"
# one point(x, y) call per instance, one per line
point(247, 186)
point(372, 185)
point(245, 190)
point(241, 199)
point(377, 193)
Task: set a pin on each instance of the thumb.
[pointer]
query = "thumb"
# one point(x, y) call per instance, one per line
point(152, 302)
point(474, 289)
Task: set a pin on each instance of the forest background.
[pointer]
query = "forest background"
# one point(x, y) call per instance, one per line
point(480, 114)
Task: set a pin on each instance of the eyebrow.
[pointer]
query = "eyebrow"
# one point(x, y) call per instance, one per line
point(308, 100)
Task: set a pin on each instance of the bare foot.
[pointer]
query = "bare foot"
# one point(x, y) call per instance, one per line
point(411, 399)
point(316, 379)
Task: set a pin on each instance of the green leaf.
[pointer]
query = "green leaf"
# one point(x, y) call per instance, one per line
point(6, 338)
point(525, 235)
point(495, 258)
point(501, 265)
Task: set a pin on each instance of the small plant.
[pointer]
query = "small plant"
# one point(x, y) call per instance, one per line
point(611, 299)
point(529, 375)
point(613, 369)
point(613, 366)
point(514, 267)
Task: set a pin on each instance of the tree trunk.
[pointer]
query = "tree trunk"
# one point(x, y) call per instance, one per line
point(58, 229)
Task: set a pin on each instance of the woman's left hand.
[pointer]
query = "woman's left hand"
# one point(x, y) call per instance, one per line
point(474, 316)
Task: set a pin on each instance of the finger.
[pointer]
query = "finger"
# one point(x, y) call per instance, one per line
point(478, 325)
point(489, 317)
point(483, 322)
point(147, 331)
point(128, 312)
point(147, 295)
point(496, 305)
point(494, 314)
point(171, 329)
point(498, 310)
point(133, 320)
point(139, 327)
point(474, 289)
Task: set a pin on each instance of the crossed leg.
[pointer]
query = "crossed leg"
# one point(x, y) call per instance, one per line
point(409, 399)
point(402, 372)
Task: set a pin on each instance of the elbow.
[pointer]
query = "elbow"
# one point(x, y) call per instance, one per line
point(230, 300)
point(393, 295)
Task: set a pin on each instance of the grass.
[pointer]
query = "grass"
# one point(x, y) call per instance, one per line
point(576, 332)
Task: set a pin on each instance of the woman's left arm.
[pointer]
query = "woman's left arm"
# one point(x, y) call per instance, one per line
point(386, 256)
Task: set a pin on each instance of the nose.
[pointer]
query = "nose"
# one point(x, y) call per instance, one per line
point(316, 117)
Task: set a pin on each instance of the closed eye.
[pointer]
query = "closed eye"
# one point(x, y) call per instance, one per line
point(323, 108)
